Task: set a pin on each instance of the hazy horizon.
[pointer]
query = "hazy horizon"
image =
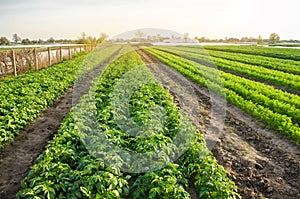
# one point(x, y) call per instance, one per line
point(35, 19)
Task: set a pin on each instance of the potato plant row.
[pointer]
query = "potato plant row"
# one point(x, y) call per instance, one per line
point(94, 154)
point(23, 98)
point(277, 109)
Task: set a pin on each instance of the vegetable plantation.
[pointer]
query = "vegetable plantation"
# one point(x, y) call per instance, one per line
point(128, 137)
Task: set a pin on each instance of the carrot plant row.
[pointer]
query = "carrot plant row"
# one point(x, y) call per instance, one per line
point(276, 77)
point(288, 54)
point(288, 66)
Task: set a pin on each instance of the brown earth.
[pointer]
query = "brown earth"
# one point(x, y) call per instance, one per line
point(262, 163)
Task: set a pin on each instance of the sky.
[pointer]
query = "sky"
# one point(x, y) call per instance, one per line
point(67, 19)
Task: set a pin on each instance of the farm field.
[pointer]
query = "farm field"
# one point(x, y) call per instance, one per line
point(111, 143)
point(283, 53)
point(258, 99)
point(24, 98)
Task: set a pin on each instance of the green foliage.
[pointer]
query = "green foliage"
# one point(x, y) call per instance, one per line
point(260, 40)
point(228, 62)
point(274, 38)
point(24, 97)
point(289, 54)
point(210, 179)
point(168, 182)
point(4, 41)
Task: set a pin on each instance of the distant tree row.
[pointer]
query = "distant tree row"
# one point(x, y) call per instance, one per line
point(273, 38)
point(83, 39)
point(142, 37)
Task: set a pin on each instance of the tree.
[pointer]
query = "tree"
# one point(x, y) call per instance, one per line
point(40, 41)
point(82, 38)
point(186, 36)
point(91, 40)
point(16, 38)
point(274, 38)
point(260, 40)
point(102, 38)
point(26, 41)
point(51, 40)
point(4, 41)
point(159, 38)
point(139, 34)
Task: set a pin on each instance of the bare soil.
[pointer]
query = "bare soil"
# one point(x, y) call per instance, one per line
point(17, 158)
point(262, 163)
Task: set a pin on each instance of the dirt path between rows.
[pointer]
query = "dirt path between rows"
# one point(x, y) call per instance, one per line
point(17, 157)
point(260, 162)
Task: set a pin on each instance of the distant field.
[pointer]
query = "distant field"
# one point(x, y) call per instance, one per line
point(286, 45)
point(286, 53)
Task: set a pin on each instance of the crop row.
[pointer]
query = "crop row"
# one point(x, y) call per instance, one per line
point(284, 65)
point(24, 97)
point(281, 53)
point(102, 152)
point(261, 101)
point(258, 72)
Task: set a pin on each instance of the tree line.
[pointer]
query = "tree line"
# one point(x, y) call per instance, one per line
point(273, 39)
point(144, 38)
point(84, 38)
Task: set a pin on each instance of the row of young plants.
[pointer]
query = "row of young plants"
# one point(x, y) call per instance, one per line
point(102, 152)
point(278, 78)
point(281, 53)
point(277, 109)
point(23, 98)
point(284, 65)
